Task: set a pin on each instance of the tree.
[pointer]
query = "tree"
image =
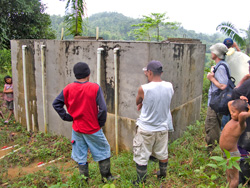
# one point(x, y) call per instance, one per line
point(75, 12)
point(57, 23)
point(150, 28)
point(241, 37)
point(23, 19)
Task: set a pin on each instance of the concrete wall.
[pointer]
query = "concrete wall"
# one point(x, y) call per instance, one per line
point(183, 65)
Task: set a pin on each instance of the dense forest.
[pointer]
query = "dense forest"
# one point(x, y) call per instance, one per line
point(116, 26)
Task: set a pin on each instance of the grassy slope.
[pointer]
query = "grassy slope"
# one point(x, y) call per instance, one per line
point(186, 155)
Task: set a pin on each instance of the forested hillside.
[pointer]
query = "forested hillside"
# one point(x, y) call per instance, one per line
point(116, 26)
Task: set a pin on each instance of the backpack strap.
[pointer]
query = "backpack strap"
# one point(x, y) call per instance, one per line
point(228, 74)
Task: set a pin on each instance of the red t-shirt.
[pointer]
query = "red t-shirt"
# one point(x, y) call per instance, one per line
point(80, 100)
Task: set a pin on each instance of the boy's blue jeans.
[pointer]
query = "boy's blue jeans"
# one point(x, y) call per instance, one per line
point(96, 143)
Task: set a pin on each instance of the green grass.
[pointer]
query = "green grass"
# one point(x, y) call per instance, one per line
point(189, 162)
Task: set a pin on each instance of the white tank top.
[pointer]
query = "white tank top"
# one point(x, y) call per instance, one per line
point(155, 113)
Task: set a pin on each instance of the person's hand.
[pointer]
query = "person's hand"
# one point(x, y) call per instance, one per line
point(212, 69)
point(210, 75)
point(244, 98)
point(139, 106)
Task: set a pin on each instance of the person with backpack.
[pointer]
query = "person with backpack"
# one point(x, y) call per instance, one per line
point(219, 80)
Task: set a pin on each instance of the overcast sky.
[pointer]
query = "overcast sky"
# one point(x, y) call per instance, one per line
point(198, 15)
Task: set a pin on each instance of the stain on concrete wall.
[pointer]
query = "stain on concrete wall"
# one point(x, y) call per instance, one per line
point(183, 65)
point(30, 83)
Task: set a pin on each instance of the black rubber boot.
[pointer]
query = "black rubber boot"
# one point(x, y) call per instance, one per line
point(163, 170)
point(141, 174)
point(84, 170)
point(104, 166)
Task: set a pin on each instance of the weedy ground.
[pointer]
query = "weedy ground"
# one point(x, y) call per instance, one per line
point(188, 161)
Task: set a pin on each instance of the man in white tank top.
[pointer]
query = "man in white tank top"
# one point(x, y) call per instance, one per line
point(151, 139)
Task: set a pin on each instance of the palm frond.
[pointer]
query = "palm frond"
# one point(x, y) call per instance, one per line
point(230, 30)
point(75, 12)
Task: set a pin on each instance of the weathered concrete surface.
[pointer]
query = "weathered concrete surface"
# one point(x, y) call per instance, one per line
point(183, 65)
point(126, 132)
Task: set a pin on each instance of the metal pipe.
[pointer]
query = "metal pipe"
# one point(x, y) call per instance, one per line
point(43, 90)
point(25, 88)
point(98, 73)
point(116, 99)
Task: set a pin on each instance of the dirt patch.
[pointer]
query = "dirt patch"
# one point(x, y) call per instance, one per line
point(5, 152)
point(34, 167)
point(22, 171)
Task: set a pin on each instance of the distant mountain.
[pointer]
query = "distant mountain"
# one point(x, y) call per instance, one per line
point(116, 26)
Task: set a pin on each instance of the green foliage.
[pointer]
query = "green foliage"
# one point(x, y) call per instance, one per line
point(23, 19)
point(75, 12)
point(206, 82)
point(109, 186)
point(112, 26)
point(116, 26)
point(230, 30)
point(75, 180)
point(149, 30)
point(227, 163)
point(40, 178)
point(57, 23)
point(242, 37)
point(207, 180)
point(43, 147)
point(210, 180)
point(5, 61)
point(189, 163)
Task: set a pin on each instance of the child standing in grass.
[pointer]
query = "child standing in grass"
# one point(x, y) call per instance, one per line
point(8, 96)
point(86, 108)
point(239, 110)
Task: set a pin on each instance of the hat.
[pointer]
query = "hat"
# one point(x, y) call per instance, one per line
point(155, 66)
point(228, 42)
point(81, 70)
point(219, 49)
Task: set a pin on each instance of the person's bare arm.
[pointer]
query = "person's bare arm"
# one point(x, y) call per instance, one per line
point(139, 98)
point(229, 104)
point(242, 118)
point(244, 115)
point(245, 78)
point(211, 77)
point(236, 46)
point(7, 90)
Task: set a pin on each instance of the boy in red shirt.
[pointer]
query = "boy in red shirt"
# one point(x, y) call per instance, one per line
point(87, 109)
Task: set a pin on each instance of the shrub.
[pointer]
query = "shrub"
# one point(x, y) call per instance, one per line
point(5, 61)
